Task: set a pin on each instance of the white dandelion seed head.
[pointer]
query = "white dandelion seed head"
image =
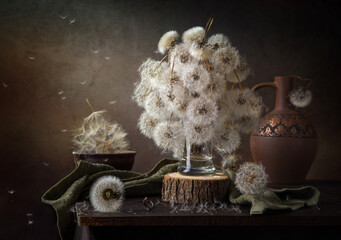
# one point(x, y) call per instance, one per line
point(98, 135)
point(227, 141)
point(193, 35)
point(245, 124)
point(196, 78)
point(177, 100)
point(168, 41)
point(147, 124)
point(202, 111)
point(107, 194)
point(157, 73)
point(230, 162)
point(240, 73)
point(155, 106)
point(141, 91)
point(200, 51)
point(168, 135)
point(300, 97)
point(218, 41)
point(226, 59)
point(215, 89)
point(251, 178)
point(181, 57)
point(199, 133)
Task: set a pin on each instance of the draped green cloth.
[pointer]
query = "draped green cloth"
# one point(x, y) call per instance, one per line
point(76, 186)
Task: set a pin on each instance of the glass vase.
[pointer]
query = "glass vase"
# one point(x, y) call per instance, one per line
point(197, 160)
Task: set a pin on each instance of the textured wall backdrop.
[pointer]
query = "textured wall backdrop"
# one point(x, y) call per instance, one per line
point(54, 54)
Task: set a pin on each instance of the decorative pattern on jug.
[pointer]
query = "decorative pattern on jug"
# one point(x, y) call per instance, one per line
point(285, 125)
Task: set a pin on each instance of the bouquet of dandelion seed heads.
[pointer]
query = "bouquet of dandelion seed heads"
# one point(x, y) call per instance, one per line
point(98, 135)
point(197, 94)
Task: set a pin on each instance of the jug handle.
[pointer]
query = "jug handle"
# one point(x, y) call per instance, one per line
point(264, 84)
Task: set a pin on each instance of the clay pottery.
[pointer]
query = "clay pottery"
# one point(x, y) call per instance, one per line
point(123, 160)
point(285, 141)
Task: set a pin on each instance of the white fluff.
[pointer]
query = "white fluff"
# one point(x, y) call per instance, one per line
point(156, 107)
point(228, 141)
point(158, 74)
point(202, 111)
point(147, 124)
point(218, 41)
point(226, 59)
point(197, 133)
point(167, 41)
point(230, 162)
point(168, 135)
point(300, 97)
point(200, 51)
point(141, 91)
point(194, 35)
point(196, 78)
point(176, 99)
point(239, 73)
point(251, 178)
point(107, 194)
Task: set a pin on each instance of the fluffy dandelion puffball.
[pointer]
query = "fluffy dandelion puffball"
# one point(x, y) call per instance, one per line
point(300, 97)
point(168, 135)
point(147, 124)
point(107, 194)
point(194, 35)
point(98, 135)
point(188, 93)
point(202, 111)
point(167, 41)
point(251, 178)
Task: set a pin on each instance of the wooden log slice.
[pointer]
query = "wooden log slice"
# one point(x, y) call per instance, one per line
point(177, 188)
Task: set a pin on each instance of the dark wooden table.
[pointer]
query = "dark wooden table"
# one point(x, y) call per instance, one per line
point(166, 221)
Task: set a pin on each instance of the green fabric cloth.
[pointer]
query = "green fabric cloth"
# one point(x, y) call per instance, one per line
point(76, 186)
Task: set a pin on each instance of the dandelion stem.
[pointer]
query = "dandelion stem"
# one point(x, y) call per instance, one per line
point(303, 79)
point(92, 109)
point(240, 84)
point(208, 27)
point(171, 74)
point(163, 59)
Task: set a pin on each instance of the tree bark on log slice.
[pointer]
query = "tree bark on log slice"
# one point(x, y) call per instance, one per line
point(177, 188)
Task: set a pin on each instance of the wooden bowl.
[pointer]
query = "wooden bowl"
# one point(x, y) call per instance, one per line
point(123, 160)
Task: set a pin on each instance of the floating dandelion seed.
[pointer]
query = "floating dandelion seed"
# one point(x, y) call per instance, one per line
point(63, 17)
point(112, 102)
point(84, 82)
point(61, 92)
point(46, 164)
point(29, 214)
point(300, 97)
point(63, 130)
point(251, 178)
point(107, 194)
point(95, 51)
point(72, 21)
point(31, 58)
point(5, 85)
point(30, 222)
point(11, 191)
point(63, 98)
point(107, 58)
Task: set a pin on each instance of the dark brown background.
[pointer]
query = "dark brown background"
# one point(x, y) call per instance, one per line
point(277, 37)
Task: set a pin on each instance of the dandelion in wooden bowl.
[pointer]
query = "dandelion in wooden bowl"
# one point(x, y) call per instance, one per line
point(99, 140)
